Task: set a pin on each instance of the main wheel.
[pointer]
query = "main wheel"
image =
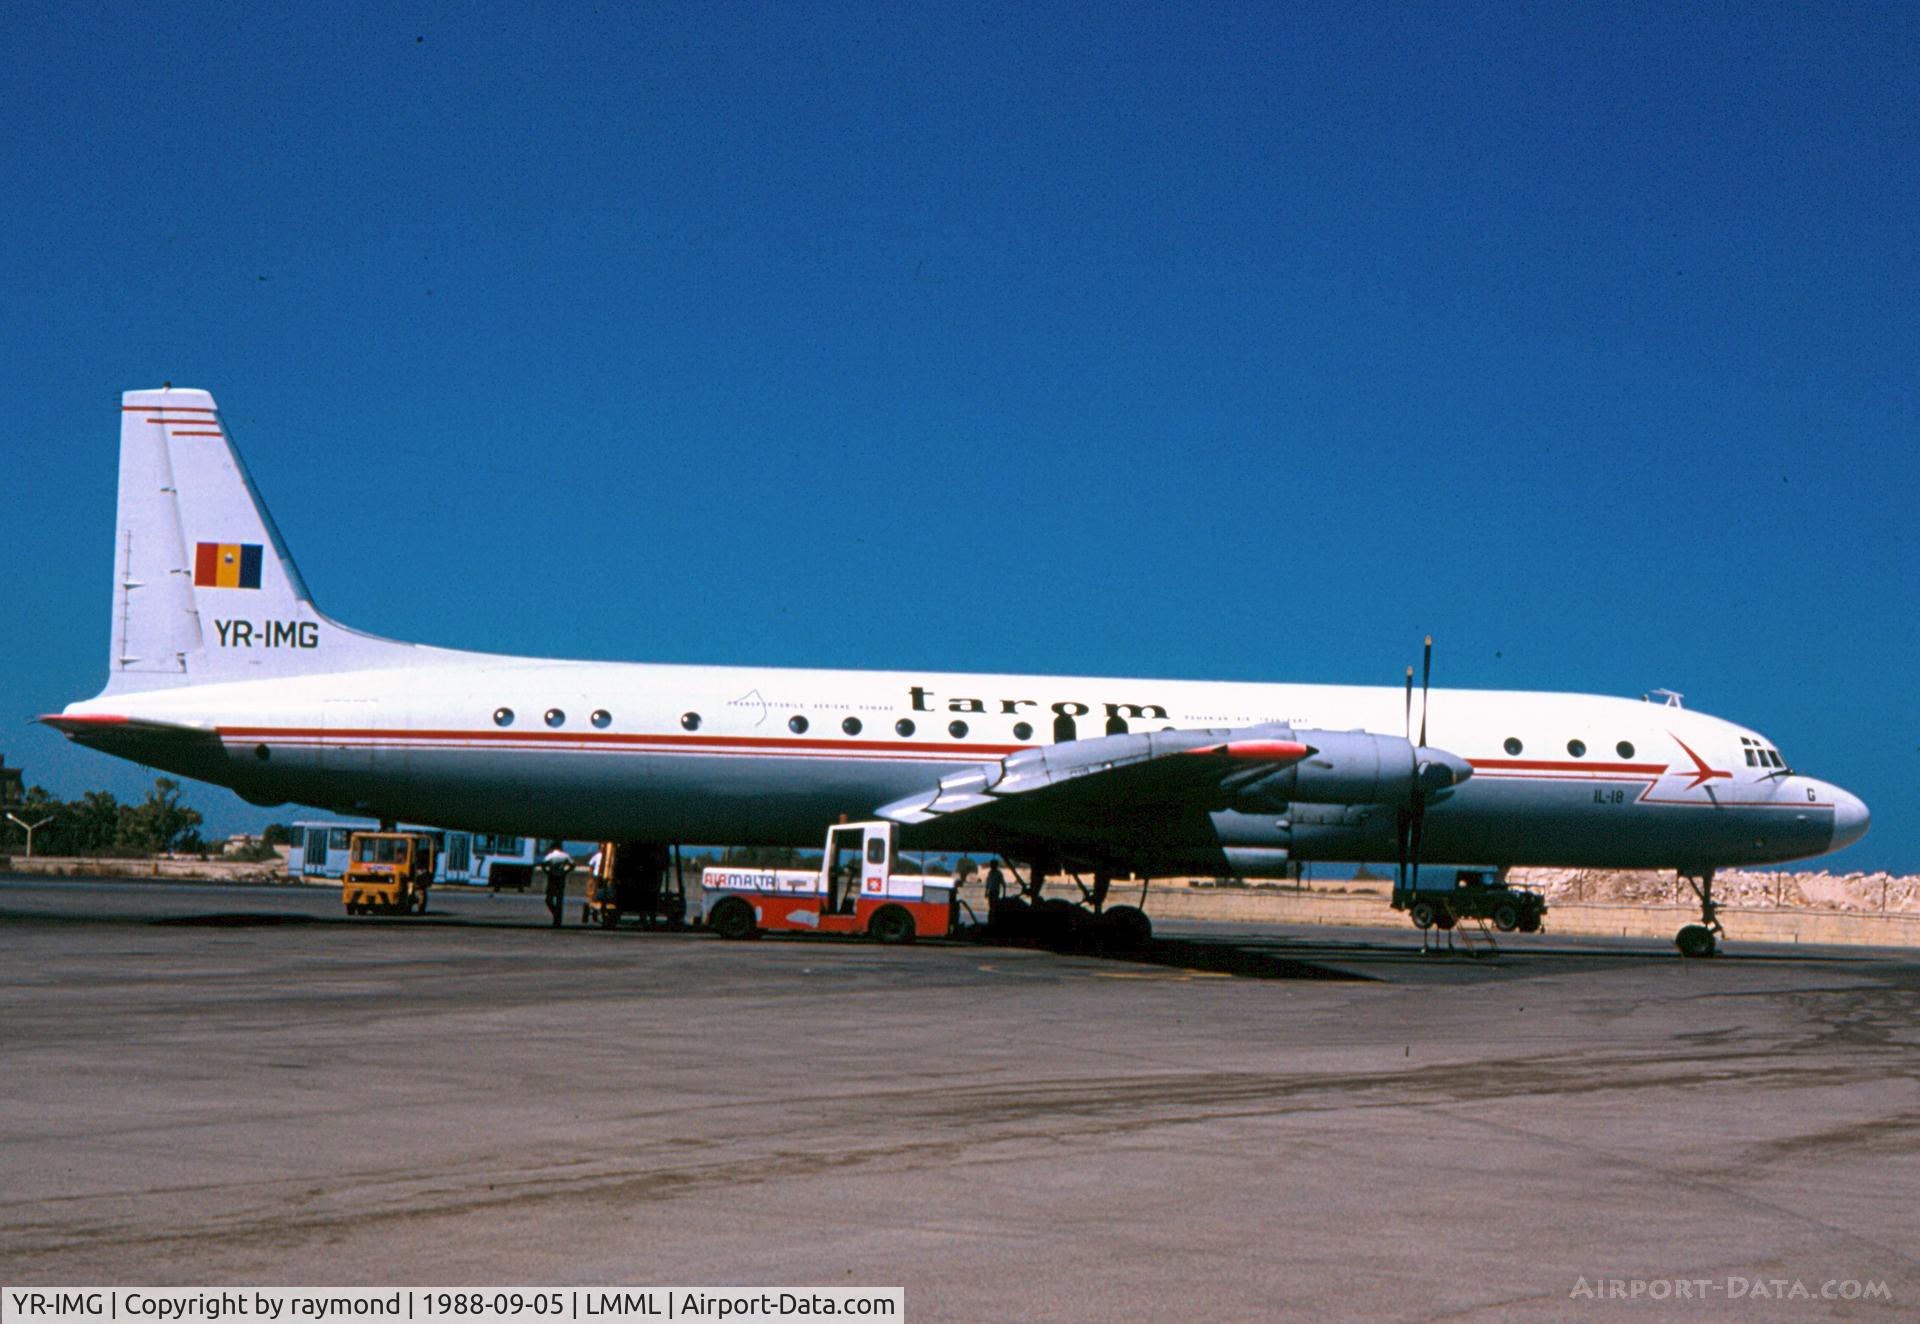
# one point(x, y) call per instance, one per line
point(732, 918)
point(1059, 925)
point(1422, 914)
point(891, 924)
point(1506, 917)
point(1009, 917)
point(1695, 940)
point(1128, 928)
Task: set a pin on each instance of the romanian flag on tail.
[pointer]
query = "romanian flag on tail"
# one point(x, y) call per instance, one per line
point(226, 565)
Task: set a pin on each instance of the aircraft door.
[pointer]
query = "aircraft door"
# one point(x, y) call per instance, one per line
point(347, 744)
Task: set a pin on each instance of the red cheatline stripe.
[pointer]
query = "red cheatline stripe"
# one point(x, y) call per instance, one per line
point(1563, 765)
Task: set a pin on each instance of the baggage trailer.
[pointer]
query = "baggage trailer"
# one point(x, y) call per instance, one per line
point(854, 891)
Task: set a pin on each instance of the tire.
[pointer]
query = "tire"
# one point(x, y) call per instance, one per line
point(1443, 918)
point(1059, 925)
point(1694, 940)
point(1506, 917)
point(1128, 928)
point(1009, 920)
point(1529, 924)
point(891, 925)
point(732, 918)
point(1422, 914)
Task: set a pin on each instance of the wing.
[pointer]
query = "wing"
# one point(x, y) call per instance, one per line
point(1095, 787)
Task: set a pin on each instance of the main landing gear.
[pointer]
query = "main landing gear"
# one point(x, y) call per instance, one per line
point(1702, 939)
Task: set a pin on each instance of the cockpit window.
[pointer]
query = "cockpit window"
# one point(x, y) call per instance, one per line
point(1761, 756)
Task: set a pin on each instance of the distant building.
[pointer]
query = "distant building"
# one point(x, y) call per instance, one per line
point(11, 791)
point(241, 841)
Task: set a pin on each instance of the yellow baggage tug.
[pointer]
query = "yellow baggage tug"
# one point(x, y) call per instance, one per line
point(388, 873)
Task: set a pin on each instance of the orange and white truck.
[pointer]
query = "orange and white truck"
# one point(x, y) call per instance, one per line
point(854, 891)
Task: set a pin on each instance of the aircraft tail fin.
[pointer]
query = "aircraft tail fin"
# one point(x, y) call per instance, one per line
point(204, 588)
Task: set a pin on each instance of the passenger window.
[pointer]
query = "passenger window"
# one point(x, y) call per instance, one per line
point(1023, 730)
point(1624, 749)
point(797, 724)
point(601, 718)
point(958, 730)
point(877, 851)
point(503, 717)
point(691, 721)
point(851, 726)
point(1577, 748)
point(1513, 745)
point(555, 717)
point(903, 727)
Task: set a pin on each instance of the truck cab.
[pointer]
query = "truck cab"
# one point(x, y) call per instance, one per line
point(388, 873)
point(854, 891)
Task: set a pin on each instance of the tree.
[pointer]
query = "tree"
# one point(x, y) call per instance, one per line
point(159, 823)
point(92, 823)
point(277, 834)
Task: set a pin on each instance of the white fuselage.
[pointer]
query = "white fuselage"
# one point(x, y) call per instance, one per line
point(764, 755)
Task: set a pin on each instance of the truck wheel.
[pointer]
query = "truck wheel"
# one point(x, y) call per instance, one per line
point(732, 918)
point(1128, 928)
point(1529, 924)
point(891, 925)
point(1421, 913)
point(1694, 940)
point(1444, 918)
point(1506, 917)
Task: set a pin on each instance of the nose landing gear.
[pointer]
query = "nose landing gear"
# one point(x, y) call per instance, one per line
point(1702, 939)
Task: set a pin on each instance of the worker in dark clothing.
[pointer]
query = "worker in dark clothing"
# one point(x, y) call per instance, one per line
point(996, 883)
point(558, 865)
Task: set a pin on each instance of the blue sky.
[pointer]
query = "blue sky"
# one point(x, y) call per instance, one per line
point(1240, 343)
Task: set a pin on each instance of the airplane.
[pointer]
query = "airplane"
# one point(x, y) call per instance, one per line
point(223, 669)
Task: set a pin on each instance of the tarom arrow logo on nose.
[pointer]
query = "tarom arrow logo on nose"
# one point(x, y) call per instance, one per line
point(1701, 774)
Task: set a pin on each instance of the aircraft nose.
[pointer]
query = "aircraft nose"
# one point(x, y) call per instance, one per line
point(1850, 819)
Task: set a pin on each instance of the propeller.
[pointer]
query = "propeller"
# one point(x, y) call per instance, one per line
point(1413, 818)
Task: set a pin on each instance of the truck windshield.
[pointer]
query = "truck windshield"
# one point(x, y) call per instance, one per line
point(379, 850)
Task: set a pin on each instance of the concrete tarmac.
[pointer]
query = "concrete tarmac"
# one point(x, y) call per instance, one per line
point(210, 1085)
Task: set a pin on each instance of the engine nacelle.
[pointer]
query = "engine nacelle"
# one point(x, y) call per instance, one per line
point(1353, 768)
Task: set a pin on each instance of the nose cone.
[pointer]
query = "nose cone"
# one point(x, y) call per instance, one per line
point(1850, 819)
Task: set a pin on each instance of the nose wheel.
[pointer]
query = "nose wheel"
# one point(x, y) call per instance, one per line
point(1702, 939)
